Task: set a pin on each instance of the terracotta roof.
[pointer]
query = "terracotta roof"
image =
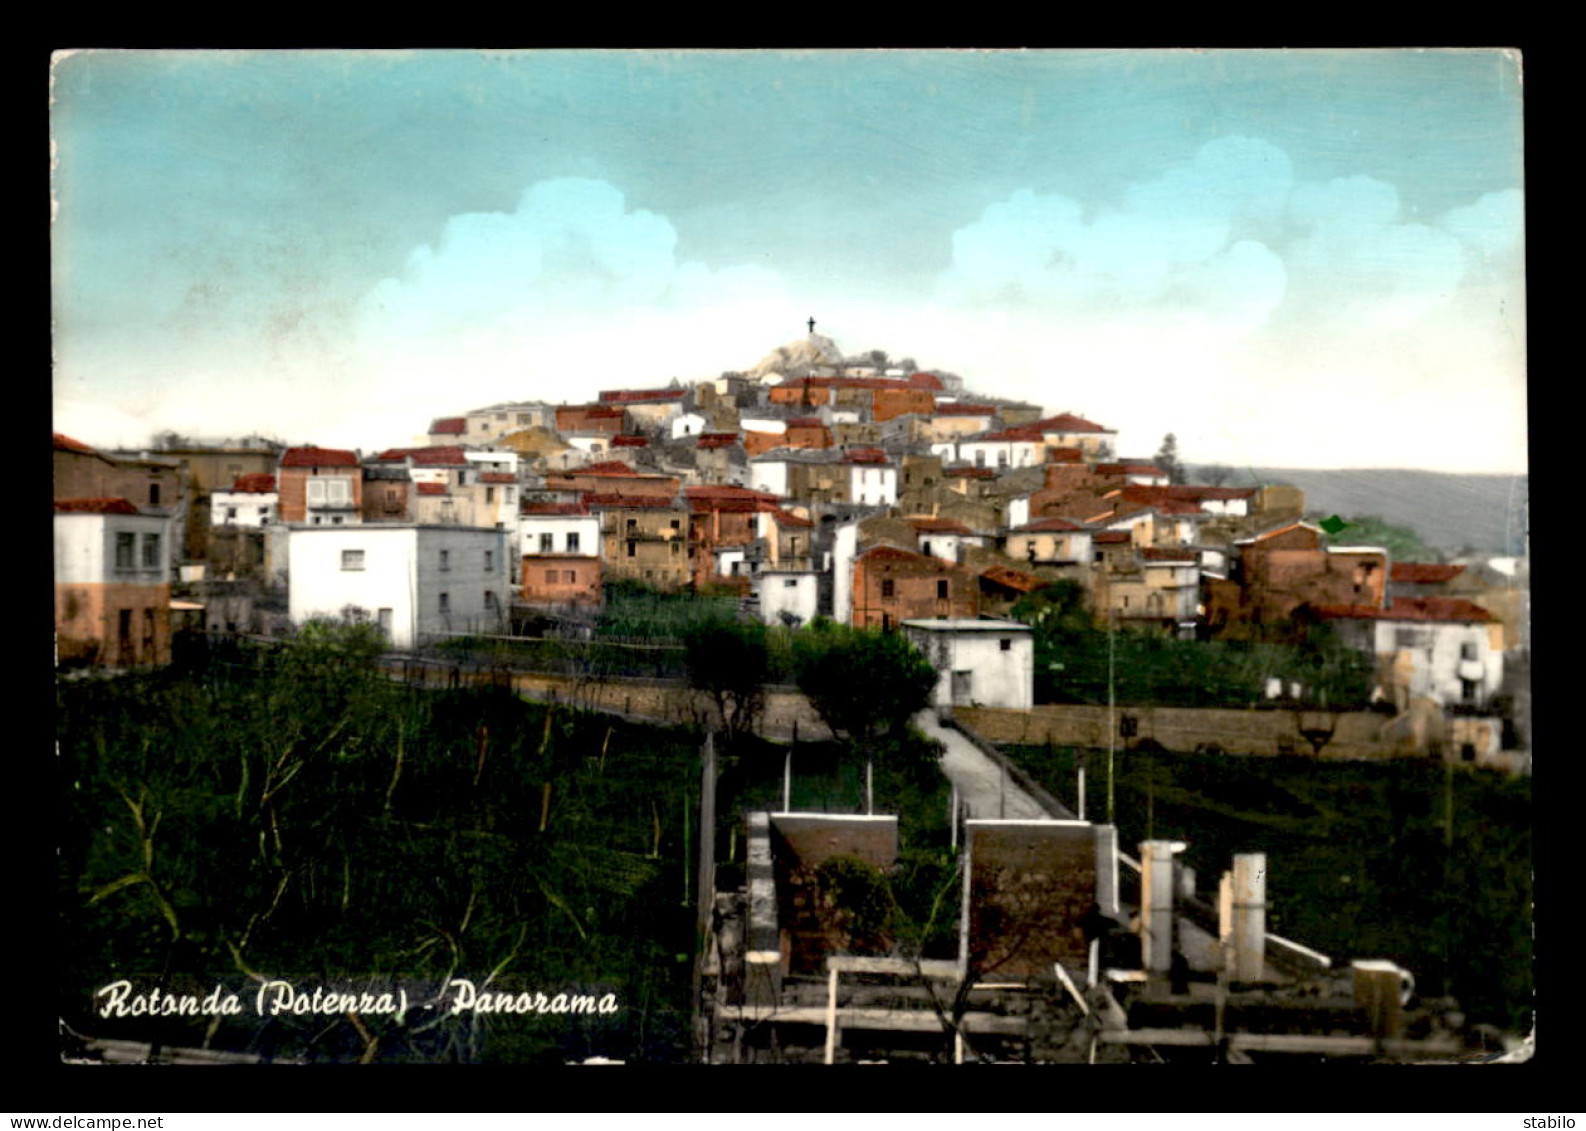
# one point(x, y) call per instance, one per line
point(604, 467)
point(255, 483)
point(1440, 609)
point(938, 526)
point(966, 471)
point(623, 396)
point(449, 426)
point(928, 381)
point(630, 441)
point(318, 457)
point(94, 506)
point(433, 489)
point(1068, 422)
point(1112, 537)
point(1424, 573)
point(1065, 455)
point(1015, 579)
point(601, 410)
point(554, 508)
point(806, 422)
point(497, 477)
point(1023, 434)
point(709, 440)
point(64, 443)
point(788, 518)
point(730, 499)
point(958, 408)
point(865, 455)
point(1042, 525)
point(898, 554)
point(446, 455)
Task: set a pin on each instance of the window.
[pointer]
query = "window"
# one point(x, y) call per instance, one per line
point(633, 549)
point(490, 494)
point(446, 603)
point(941, 589)
point(352, 559)
point(231, 514)
point(572, 543)
point(888, 588)
point(333, 491)
point(446, 560)
point(1467, 650)
point(547, 543)
point(490, 560)
point(677, 524)
point(490, 601)
point(124, 544)
point(151, 551)
point(550, 577)
point(790, 583)
point(154, 494)
point(633, 524)
point(925, 548)
point(523, 418)
point(569, 577)
point(1006, 644)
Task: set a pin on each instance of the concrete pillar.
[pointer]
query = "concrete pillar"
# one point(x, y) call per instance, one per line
point(1249, 916)
point(1107, 868)
point(763, 957)
point(1156, 905)
point(1381, 989)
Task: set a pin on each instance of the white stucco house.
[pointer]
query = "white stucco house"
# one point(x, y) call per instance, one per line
point(787, 596)
point(1444, 649)
point(979, 663)
point(412, 580)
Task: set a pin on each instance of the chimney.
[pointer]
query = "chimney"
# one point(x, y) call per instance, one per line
point(1242, 916)
point(1156, 903)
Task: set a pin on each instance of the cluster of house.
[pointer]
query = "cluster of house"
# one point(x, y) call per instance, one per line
point(807, 486)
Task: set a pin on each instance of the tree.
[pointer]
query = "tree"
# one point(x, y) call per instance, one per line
point(864, 684)
point(730, 662)
point(1167, 459)
point(1216, 474)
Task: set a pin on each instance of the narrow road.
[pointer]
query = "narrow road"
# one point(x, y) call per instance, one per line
point(982, 784)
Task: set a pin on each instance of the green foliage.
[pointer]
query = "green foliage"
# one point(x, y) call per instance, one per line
point(1402, 543)
point(1166, 458)
point(288, 818)
point(638, 612)
point(863, 683)
point(731, 662)
point(1074, 662)
point(1356, 853)
point(857, 901)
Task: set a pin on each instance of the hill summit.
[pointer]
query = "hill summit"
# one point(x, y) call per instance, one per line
point(798, 357)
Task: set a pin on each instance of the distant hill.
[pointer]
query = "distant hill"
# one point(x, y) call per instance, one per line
point(1453, 513)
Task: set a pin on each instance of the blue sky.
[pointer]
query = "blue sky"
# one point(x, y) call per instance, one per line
point(1309, 258)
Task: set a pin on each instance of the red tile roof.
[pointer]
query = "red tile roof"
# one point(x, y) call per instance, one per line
point(94, 506)
point(898, 554)
point(1112, 537)
point(709, 440)
point(1424, 573)
point(735, 500)
point(925, 381)
point(966, 471)
point(1015, 579)
point(1128, 468)
point(1441, 609)
point(64, 443)
point(806, 422)
point(630, 441)
point(445, 455)
point(604, 467)
point(497, 477)
point(865, 455)
point(788, 518)
point(958, 408)
point(538, 508)
point(433, 489)
point(255, 483)
point(1024, 434)
point(1065, 455)
point(1068, 422)
point(938, 526)
point(449, 426)
point(624, 396)
point(318, 457)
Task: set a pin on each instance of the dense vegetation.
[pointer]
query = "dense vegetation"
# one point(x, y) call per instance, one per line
point(294, 815)
point(1075, 661)
point(1425, 864)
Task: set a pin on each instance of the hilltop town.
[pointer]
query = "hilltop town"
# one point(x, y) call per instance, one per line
point(1038, 562)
